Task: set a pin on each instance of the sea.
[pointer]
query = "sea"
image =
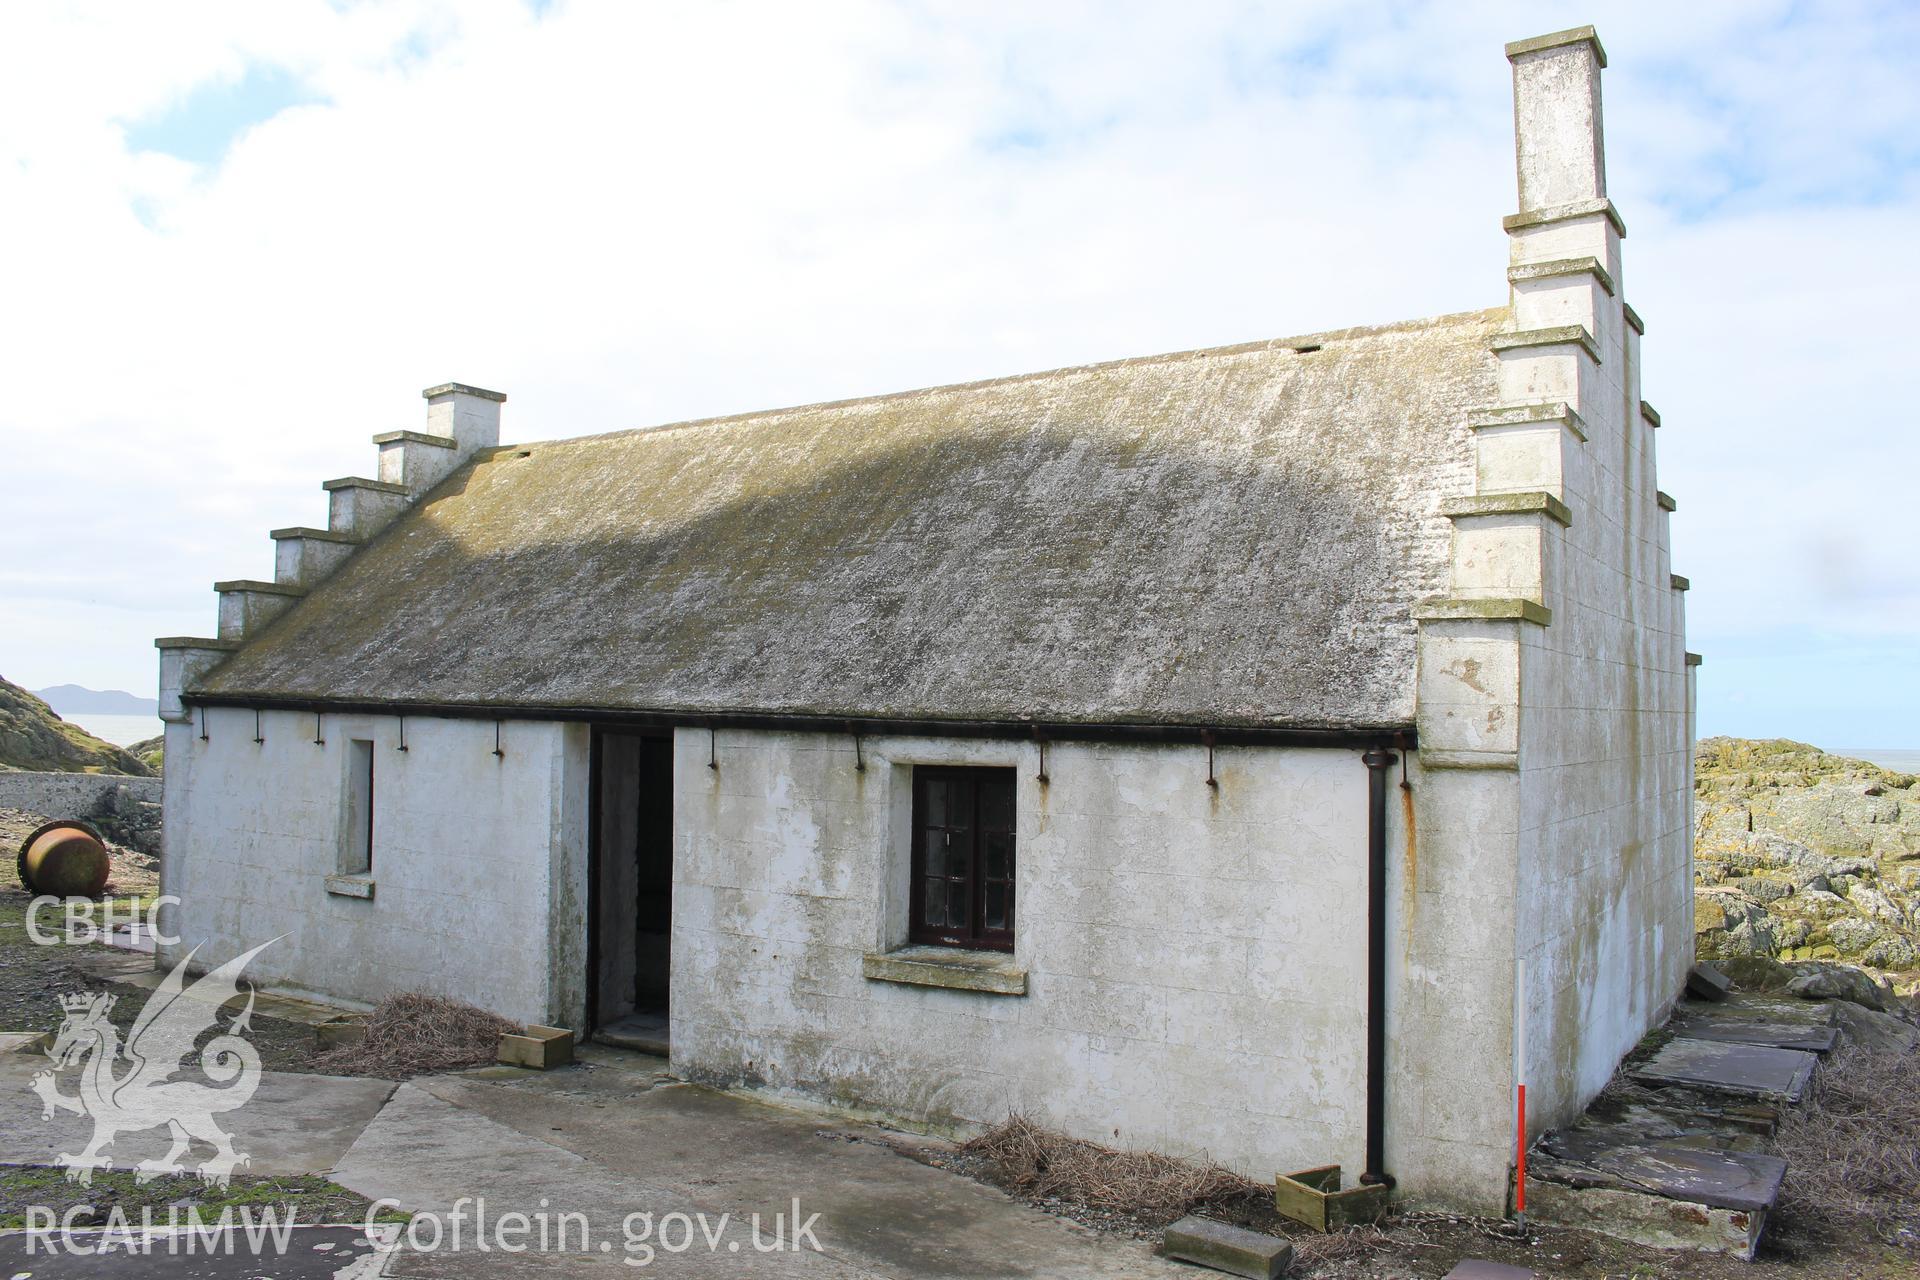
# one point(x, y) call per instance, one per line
point(1900, 760)
point(121, 731)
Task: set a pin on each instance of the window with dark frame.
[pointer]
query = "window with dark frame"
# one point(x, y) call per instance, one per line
point(963, 858)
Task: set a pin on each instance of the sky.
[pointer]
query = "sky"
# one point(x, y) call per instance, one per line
point(237, 239)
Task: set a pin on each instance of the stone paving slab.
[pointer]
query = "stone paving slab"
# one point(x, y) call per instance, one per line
point(1634, 1122)
point(1747, 1070)
point(286, 1008)
point(1780, 1035)
point(1739, 1180)
point(1760, 1006)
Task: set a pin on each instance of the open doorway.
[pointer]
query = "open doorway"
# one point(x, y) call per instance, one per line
point(633, 888)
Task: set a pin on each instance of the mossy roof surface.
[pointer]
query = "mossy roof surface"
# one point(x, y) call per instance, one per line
point(1223, 537)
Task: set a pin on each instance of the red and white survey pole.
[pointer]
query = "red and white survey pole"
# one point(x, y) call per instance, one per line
point(1520, 1093)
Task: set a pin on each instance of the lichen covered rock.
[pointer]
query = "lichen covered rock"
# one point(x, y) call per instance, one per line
point(1804, 856)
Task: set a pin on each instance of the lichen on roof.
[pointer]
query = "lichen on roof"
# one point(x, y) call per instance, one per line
point(1223, 537)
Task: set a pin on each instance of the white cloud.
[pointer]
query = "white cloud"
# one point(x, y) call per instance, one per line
point(622, 214)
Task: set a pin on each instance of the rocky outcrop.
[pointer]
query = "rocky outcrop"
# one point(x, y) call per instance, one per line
point(1801, 855)
point(32, 737)
point(151, 751)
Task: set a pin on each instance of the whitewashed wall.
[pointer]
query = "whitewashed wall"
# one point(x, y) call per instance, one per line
point(1605, 892)
point(479, 862)
point(1196, 958)
point(1553, 714)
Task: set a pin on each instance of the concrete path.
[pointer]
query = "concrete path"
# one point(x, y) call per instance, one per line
point(653, 1172)
point(293, 1124)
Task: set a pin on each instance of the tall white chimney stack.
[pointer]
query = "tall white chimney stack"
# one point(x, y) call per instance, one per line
point(1556, 119)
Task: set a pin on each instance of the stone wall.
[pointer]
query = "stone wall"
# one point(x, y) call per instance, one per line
point(126, 810)
point(479, 861)
point(70, 795)
point(1195, 958)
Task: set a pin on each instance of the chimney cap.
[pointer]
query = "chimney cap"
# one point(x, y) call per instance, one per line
point(462, 389)
point(1573, 35)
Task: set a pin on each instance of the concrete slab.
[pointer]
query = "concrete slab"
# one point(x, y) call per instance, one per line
point(432, 1157)
point(311, 1253)
point(1222, 1247)
point(640, 1032)
point(114, 965)
point(293, 1123)
point(1481, 1269)
point(1747, 1070)
point(615, 1136)
point(137, 971)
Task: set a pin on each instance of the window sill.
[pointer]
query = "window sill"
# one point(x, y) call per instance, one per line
point(992, 972)
point(350, 886)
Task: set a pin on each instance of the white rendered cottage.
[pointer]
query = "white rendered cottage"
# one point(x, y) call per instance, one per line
point(1122, 744)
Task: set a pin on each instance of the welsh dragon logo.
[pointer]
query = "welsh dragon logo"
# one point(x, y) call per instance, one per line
point(146, 1095)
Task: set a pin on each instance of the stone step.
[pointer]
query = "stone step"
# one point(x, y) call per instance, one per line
point(1779, 1035)
point(639, 1032)
point(1655, 1194)
point(1743, 1070)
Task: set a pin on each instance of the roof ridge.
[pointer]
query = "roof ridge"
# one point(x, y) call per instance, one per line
point(1265, 344)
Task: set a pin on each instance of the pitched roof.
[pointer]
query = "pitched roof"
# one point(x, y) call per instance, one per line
point(1223, 537)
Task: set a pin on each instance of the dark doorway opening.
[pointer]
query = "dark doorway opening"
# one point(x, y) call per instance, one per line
point(632, 913)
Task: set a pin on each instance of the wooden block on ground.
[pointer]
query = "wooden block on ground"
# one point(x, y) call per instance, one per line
point(1313, 1197)
point(541, 1048)
point(1234, 1250)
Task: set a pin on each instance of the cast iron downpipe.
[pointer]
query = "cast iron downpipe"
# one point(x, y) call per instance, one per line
point(1377, 759)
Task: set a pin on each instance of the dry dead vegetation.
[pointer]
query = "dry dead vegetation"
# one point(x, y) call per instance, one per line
point(410, 1034)
point(1853, 1190)
point(1853, 1149)
point(1150, 1189)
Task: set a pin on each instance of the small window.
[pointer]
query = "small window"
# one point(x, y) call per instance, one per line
point(356, 848)
point(963, 857)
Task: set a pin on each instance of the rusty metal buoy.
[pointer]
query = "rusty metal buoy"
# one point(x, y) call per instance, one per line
point(66, 859)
